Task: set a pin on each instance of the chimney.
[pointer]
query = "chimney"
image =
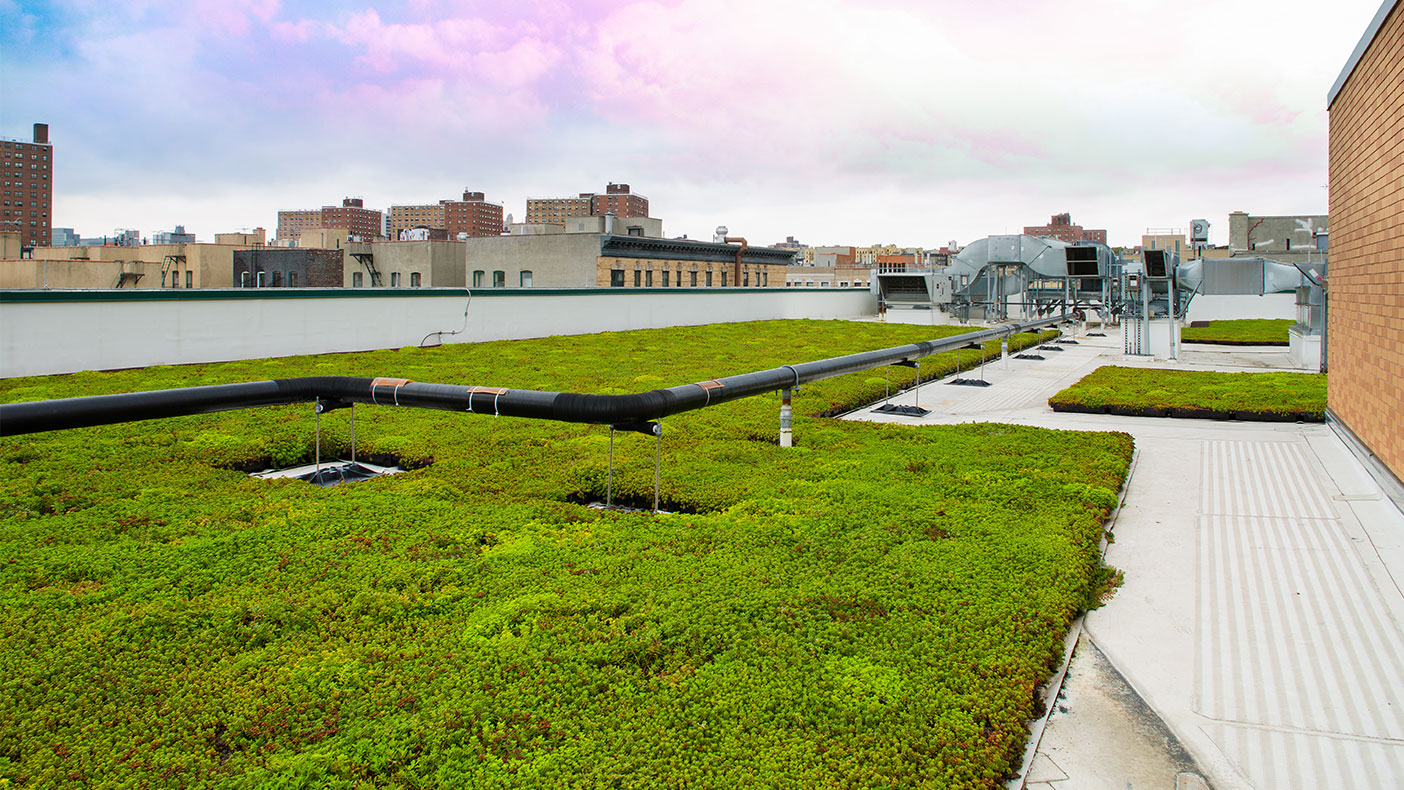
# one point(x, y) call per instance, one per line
point(41, 133)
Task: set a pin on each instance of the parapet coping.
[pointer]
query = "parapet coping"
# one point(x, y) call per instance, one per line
point(1359, 52)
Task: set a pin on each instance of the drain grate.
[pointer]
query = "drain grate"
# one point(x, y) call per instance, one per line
point(329, 474)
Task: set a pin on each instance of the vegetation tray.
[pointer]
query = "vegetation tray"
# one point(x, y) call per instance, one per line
point(1153, 392)
point(1239, 332)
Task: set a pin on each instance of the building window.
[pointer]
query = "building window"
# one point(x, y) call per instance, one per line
point(525, 278)
point(478, 278)
point(665, 278)
point(723, 279)
point(648, 278)
point(277, 280)
point(394, 279)
point(765, 278)
point(415, 279)
point(694, 279)
point(292, 279)
point(709, 278)
point(638, 276)
point(244, 280)
point(189, 279)
point(259, 281)
point(499, 279)
point(356, 281)
point(745, 278)
point(616, 278)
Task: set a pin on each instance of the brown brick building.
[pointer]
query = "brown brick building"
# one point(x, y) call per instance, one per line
point(1365, 288)
point(472, 215)
point(26, 171)
point(1061, 227)
point(617, 199)
point(424, 215)
point(351, 216)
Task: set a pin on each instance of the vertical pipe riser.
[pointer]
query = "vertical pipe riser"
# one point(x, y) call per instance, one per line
point(786, 417)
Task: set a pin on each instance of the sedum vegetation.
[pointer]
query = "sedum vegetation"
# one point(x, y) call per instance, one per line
point(1197, 393)
point(1240, 332)
point(873, 607)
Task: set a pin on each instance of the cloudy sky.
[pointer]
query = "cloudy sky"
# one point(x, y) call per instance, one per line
point(910, 122)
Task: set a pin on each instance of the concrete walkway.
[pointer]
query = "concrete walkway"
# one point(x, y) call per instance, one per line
point(1256, 641)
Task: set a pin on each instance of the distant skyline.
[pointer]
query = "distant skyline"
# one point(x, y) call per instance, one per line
point(911, 122)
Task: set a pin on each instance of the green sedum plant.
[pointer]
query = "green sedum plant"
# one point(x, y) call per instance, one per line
point(1240, 332)
point(1197, 393)
point(873, 607)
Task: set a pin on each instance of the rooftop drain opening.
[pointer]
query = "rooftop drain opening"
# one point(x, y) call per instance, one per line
point(331, 473)
point(326, 475)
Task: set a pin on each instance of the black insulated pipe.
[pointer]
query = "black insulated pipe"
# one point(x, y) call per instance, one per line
point(619, 410)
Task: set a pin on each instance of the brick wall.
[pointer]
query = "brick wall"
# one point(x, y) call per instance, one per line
point(312, 268)
point(1365, 334)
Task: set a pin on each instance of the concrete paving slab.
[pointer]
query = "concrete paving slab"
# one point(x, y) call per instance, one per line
point(1260, 616)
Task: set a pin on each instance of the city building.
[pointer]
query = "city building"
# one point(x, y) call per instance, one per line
point(1169, 239)
point(424, 215)
point(405, 264)
point(590, 260)
point(63, 237)
point(244, 238)
point(1365, 286)
point(281, 267)
point(650, 227)
point(121, 266)
point(26, 171)
point(1061, 227)
point(472, 215)
point(1288, 238)
point(292, 223)
point(617, 199)
point(177, 236)
point(351, 216)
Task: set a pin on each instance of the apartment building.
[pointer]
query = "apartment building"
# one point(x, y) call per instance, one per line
point(617, 199)
point(351, 216)
point(26, 173)
point(1062, 228)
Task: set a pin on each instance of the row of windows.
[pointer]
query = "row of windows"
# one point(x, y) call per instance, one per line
point(499, 278)
point(260, 280)
point(358, 279)
point(189, 278)
point(643, 278)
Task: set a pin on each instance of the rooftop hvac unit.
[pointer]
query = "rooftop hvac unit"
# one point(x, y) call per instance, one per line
point(1159, 265)
point(1005, 249)
point(1082, 262)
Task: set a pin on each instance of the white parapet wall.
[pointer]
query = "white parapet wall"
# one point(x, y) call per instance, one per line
point(46, 332)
